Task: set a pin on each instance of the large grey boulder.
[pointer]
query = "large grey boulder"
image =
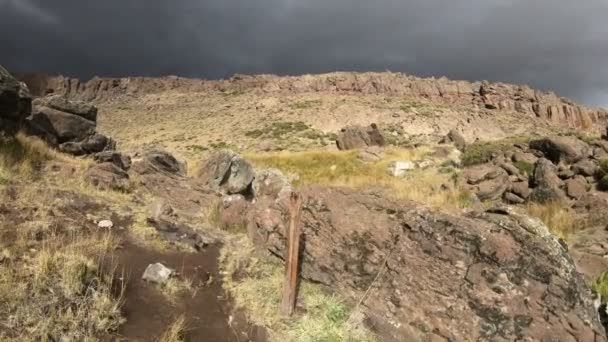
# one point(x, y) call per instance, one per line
point(15, 103)
point(565, 149)
point(547, 183)
point(64, 126)
point(228, 172)
point(60, 103)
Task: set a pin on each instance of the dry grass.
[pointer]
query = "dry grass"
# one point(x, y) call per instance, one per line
point(60, 291)
point(558, 217)
point(343, 168)
point(56, 280)
point(255, 284)
point(175, 332)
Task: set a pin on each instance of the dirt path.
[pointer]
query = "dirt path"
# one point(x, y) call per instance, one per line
point(149, 312)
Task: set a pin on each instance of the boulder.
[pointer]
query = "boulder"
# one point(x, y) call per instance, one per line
point(423, 275)
point(108, 176)
point(15, 103)
point(492, 189)
point(353, 137)
point(64, 126)
point(401, 167)
point(454, 137)
point(527, 157)
point(512, 198)
point(586, 167)
point(157, 273)
point(547, 183)
point(117, 158)
point(60, 103)
point(480, 173)
point(565, 149)
point(270, 183)
point(227, 171)
point(575, 188)
point(520, 189)
point(157, 161)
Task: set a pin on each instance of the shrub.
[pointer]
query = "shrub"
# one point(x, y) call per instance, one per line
point(603, 183)
point(604, 166)
point(600, 286)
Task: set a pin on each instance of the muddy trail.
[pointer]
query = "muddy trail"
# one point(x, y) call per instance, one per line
point(206, 308)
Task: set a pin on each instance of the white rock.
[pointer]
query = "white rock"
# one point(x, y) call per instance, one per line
point(157, 273)
point(105, 224)
point(424, 164)
point(400, 168)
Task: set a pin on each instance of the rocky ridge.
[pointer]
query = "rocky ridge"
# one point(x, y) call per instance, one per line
point(493, 97)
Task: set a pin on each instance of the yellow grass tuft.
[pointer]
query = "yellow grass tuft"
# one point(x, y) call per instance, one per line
point(559, 218)
point(175, 332)
point(343, 168)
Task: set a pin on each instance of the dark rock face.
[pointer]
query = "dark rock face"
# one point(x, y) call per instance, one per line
point(562, 149)
point(15, 103)
point(489, 276)
point(68, 125)
point(60, 103)
point(353, 137)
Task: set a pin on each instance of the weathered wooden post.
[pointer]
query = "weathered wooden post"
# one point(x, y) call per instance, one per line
point(291, 260)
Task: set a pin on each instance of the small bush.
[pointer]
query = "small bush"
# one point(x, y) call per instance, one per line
point(603, 183)
point(600, 286)
point(604, 166)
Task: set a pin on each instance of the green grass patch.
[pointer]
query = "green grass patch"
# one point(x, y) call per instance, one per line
point(525, 167)
point(299, 105)
point(600, 286)
point(344, 168)
point(481, 152)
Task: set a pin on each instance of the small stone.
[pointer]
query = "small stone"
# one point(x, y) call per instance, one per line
point(399, 168)
point(157, 273)
point(105, 224)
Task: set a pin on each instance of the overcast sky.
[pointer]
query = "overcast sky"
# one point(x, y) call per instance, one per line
point(560, 45)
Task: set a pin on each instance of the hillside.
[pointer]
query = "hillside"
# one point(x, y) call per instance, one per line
point(142, 209)
point(262, 112)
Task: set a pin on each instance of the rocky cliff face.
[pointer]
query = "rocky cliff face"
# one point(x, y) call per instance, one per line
point(483, 95)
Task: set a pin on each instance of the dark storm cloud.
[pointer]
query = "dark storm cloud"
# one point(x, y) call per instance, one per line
point(550, 44)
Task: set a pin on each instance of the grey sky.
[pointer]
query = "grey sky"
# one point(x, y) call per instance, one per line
point(550, 44)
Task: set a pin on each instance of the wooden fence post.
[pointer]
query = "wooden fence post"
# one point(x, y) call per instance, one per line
point(293, 251)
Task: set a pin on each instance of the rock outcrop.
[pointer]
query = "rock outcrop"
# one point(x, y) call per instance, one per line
point(353, 137)
point(424, 276)
point(482, 95)
point(15, 103)
point(69, 125)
